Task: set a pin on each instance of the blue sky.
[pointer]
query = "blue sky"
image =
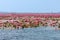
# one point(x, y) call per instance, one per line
point(35, 6)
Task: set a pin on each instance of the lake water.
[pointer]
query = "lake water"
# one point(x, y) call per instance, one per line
point(39, 33)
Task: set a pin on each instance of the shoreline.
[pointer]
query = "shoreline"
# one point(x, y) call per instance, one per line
point(47, 28)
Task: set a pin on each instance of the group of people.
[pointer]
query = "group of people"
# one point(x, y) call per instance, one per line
point(26, 22)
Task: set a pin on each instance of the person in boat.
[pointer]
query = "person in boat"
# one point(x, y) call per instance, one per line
point(59, 26)
point(58, 23)
point(23, 26)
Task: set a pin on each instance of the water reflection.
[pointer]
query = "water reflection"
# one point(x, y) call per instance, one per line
point(39, 33)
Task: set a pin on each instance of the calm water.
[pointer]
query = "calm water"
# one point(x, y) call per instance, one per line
point(40, 33)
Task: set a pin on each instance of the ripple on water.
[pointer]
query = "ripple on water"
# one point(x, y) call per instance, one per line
point(39, 33)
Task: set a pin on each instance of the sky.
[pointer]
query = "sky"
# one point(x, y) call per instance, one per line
point(33, 6)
